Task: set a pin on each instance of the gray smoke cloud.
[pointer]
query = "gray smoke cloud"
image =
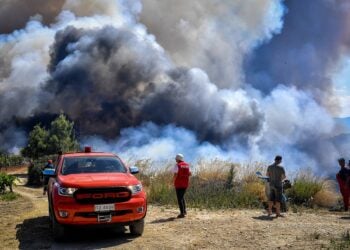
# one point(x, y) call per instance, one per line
point(14, 14)
point(151, 79)
point(212, 34)
point(314, 39)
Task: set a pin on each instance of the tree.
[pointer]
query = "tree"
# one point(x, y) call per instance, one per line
point(61, 136)
point(37, 143)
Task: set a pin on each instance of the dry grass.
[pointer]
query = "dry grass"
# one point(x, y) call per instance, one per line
point(327, 197)
point(222, 184)
point(256, 189)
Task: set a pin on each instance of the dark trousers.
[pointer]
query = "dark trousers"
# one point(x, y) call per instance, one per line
point(345, 192)
point(180, 193)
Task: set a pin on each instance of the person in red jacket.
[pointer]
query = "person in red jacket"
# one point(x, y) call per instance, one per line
point(343, 181)
point(182, 175)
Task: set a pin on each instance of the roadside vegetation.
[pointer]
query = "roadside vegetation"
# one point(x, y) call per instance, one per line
point(6, 187)
point(221, 184)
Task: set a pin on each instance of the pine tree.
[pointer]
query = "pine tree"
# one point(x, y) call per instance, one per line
point(61, 136)
point(37, 143)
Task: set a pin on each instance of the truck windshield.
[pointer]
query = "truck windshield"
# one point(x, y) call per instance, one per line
point(105, 164)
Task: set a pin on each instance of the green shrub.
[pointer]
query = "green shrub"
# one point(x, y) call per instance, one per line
point(6, 181)
point(304, 189)
point(34, 175)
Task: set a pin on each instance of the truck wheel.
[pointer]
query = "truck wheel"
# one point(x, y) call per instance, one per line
point(57, 229)
point(137, 227)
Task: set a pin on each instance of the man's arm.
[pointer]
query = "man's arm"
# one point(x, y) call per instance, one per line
point(283, 176)
point(268, 171)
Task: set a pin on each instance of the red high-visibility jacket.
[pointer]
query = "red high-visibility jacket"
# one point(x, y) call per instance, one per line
point(183, 175)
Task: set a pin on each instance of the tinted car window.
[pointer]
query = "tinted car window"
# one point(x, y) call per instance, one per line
point(105, 164)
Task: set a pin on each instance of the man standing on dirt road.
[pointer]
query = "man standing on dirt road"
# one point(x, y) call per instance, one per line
point(276, 175)
point(343, 181)
point(182, 175)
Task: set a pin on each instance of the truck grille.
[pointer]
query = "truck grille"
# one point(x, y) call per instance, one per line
point(102, 195)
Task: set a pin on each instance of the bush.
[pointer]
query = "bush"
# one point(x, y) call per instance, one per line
point(304, 189)
point(6, 181)
point(327, 196)
point(34, 175)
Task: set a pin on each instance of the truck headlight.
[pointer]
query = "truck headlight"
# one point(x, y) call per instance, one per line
point(66, 191)
point(135, 188)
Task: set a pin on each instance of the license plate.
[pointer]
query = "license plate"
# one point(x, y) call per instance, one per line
point(104, 207)
point(104, 218)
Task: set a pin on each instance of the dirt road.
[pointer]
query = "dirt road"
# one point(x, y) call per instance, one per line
point(24, 225)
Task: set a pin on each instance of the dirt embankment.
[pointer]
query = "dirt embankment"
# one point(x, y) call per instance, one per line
point(24, 224)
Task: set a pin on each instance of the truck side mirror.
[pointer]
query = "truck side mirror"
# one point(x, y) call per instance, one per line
point(134, 170)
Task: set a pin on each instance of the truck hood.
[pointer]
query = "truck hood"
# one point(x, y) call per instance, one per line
point(99, 180)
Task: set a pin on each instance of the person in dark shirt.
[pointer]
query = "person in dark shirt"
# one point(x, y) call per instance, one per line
point(343, 181)
point(276, 175)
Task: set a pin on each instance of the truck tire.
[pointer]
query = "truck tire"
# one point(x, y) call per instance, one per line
point(137, 227)
point(58, 230)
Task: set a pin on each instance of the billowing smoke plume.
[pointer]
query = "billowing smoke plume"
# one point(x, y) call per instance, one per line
point(213, 35)
point(207, 78)
point(14, 14)
point(315, 37)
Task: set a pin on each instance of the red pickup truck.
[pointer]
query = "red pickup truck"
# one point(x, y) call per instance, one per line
point(93, 188)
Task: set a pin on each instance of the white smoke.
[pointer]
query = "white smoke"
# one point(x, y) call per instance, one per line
point(25, 56)
point(213, 35)
point(150, 141)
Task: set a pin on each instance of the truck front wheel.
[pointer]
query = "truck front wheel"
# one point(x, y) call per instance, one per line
point(137, 227)
point(57, 229)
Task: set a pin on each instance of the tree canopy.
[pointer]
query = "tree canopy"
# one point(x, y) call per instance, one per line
point(59, 137)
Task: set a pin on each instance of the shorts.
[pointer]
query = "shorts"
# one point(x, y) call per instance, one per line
point(275, 193)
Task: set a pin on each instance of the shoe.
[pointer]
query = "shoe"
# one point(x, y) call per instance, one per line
point(279, 215)
point(181, 216)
